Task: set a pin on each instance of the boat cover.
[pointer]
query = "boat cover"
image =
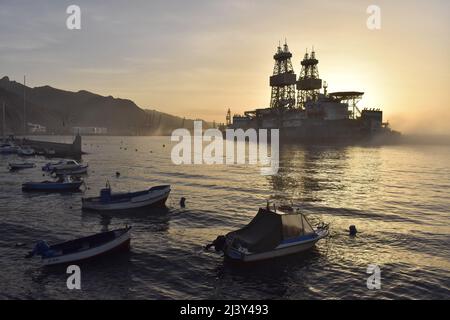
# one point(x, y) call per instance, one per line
point(268, 229)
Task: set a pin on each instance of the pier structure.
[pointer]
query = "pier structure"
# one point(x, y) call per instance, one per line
point(55, 149)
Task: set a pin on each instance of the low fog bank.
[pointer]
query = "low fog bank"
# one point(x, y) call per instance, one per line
point(426, 139)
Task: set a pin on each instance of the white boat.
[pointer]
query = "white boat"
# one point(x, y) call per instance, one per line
point(22, 165)
point(108, 201)
point(26, 151)
point(62, 165)
point(72, 172)
point(83, 248)
point(270, 235)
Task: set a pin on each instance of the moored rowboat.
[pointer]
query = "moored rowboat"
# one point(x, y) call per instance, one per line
point(62, 165)
point(64, 184)
point(83, 248)
point(108, 201)
point(8, 148)
point(19, 166)
point(74, 171)
point(26, 151)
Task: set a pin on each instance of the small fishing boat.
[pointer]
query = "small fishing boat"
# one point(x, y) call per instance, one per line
point(83, 248)
point(73, 172)
point(20, 166)
point(26, 151)
point(8, 148)
point(62, 184)
point(108, 201)
point(51, 165)
point(62, 165)
point(269, 235)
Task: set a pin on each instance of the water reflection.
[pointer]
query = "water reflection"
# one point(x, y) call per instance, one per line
point(269, 279)
point(307, 170)
point(156, 219)
point(396, 196)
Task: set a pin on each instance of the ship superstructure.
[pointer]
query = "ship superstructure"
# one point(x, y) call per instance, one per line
point(310, 114)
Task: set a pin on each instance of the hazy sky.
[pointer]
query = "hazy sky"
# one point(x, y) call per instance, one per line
point(198, 58)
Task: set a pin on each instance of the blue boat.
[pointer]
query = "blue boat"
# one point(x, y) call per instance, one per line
point(7, 148)
point(63, 184)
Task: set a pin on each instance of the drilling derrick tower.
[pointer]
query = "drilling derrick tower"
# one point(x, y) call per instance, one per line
point(309, 83)
point(283, 80)
point(228, 118)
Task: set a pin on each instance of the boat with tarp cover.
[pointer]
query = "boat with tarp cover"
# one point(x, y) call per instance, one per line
point(271, 234)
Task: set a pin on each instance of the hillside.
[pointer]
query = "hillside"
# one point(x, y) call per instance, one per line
point(60, 110)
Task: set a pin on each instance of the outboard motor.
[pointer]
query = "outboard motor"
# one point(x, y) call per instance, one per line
point(218, 244)
point(42, 249)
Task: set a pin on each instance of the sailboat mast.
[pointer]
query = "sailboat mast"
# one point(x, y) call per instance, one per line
point(24, 108)
point(4, 122)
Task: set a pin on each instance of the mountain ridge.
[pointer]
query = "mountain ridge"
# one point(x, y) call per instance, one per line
point(60, 110)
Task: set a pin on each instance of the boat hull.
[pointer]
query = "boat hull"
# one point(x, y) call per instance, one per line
point(280, 251)
point(145, 202)
point(26, 152)
point(51, 187)
point(121, 243)
point(8, 151)
point(81, 170)
point(14, 167)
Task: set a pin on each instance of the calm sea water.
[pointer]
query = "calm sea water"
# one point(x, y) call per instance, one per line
point(397, 196)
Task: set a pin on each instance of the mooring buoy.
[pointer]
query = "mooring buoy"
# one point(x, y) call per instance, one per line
point(183, 202)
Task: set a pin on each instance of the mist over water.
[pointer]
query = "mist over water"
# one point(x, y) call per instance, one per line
point(397, 196)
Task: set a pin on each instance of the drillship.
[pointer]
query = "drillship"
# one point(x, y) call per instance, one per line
point(304, 111)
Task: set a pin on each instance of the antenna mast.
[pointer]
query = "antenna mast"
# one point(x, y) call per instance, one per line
point(24, 108)
point(4, 123)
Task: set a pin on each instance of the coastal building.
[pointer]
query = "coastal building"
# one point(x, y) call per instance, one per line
point(90, 130)
point(36, 128)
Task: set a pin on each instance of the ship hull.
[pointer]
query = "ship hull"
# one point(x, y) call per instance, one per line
point(318, 131)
